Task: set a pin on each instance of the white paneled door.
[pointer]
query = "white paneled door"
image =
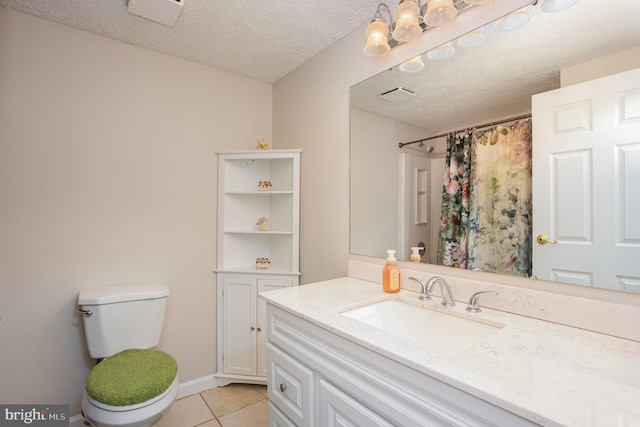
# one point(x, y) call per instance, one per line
point(414, 205)
point(586, 183)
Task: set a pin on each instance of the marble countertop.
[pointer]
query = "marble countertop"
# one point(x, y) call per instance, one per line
point(548, 373)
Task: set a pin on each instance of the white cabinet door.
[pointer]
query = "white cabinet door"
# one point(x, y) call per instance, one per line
point(244, 323)
point(265, 285)
point(240, 319)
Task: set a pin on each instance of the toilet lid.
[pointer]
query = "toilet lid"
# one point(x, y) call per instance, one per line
point(131, 377)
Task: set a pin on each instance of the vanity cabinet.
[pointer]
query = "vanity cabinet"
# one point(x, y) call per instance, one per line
point(257, 251)
point(317, 378)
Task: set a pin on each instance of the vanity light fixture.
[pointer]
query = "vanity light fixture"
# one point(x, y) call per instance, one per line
point(378, 35)
point(411, 20)
point(444, 51)
point(413, 65)
point(407, 26)
point(556, 5)
point(439, 12)
point(472, 39)
point(514, 20)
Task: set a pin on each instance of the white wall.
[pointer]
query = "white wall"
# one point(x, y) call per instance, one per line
point(375, 171)
point(611, 64)
point(107, 175)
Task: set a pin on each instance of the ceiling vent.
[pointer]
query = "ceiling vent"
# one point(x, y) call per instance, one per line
point(398, 94)
point(163, 11)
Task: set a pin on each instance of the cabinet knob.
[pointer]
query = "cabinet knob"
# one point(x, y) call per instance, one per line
point(283, 387)
point(253, 328)
point(259, 329)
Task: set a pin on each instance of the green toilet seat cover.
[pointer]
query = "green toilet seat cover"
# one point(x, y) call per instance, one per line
point(131, 377)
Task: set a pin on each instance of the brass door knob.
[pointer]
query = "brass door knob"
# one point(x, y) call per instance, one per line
point(543, 239)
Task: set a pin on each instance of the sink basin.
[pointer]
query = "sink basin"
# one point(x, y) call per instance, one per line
point(448, 333)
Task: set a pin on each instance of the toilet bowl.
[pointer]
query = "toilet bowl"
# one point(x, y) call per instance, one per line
point(133, 385)
point(141, 415)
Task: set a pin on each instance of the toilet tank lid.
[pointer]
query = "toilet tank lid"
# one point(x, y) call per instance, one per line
point(119, 293)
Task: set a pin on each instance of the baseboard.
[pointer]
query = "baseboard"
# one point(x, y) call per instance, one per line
point(225, 379)
point(196, 386)
point(77, 421)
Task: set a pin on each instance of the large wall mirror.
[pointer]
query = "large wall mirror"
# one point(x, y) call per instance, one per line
point(484, 77)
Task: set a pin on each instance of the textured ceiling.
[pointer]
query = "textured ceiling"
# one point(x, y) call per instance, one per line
point(264, 40)
point(497, 79)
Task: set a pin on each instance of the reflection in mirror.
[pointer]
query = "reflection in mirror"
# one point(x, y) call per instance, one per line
point(396, 193)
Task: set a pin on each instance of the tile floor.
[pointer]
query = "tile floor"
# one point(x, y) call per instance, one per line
point(235, 405)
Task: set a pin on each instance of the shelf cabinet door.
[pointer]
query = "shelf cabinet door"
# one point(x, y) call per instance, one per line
point(240, 319)
point(245, 323)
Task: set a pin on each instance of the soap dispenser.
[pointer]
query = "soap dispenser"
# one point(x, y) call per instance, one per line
point(415, 254)
point(391, 274)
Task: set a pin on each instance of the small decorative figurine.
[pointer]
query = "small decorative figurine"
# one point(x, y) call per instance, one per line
point(263, 222)
point(262, 263)
point(262, 145)
point(264, 185)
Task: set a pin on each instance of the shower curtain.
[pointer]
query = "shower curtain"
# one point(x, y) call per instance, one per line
point(494, 208)
point(454, 222)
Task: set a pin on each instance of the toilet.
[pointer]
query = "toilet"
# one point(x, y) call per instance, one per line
point(133, 385)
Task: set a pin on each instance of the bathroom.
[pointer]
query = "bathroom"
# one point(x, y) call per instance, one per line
point(108, 175)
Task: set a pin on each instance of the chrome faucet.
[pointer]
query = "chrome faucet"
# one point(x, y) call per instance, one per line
point(447, 295)
point(424, 296)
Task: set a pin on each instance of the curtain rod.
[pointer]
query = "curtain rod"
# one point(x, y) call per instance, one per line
point(512, 119)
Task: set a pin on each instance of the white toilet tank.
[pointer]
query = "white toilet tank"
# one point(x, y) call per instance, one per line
point(120, 317)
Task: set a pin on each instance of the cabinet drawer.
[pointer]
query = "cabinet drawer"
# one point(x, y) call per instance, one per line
point(336, 408)
point(290, 386)
point(277, 418)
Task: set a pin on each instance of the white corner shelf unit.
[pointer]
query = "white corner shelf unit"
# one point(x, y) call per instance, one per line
point(241, 316)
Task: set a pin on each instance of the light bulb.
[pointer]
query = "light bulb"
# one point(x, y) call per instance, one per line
point(439, 12)
point(413, 65)
point(377, 39)
point(407, 26)
point(556, 5)
point(444, 51)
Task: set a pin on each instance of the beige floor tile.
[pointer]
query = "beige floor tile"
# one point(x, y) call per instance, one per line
point(223, 400)
point(212, 423)
point(187, 412)
point(263, 390)
point(256, 415)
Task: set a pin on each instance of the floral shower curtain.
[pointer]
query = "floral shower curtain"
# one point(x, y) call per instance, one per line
point(454, 222)
point(494, 208)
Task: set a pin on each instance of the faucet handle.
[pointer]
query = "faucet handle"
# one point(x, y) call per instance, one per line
point(424, 296)
point(474, 305)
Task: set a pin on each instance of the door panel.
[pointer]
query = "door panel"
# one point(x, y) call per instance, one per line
point(586, 172)
point(414, 205)
point(240, 349)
